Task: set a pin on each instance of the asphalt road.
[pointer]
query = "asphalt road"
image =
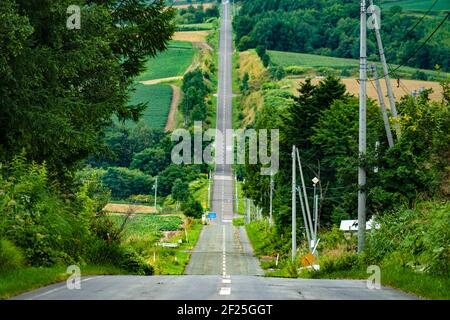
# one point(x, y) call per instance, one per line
point(223, 249)
point(222, 265)
point(211, 288)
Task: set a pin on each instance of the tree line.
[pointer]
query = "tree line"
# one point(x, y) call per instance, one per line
point(60, 91)
point(331, 28)
point(322, 121)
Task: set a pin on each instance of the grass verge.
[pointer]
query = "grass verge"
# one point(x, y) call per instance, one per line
point(26, 279)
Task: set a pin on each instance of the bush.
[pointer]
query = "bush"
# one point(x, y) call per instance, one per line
point(192, 208)
point(415, 238)
point(133, 262)
point(344, 262)
point(237, 222)
point(11, 257)
point(296, 70)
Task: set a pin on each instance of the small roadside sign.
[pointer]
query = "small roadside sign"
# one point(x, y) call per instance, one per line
point(308, 260)
point(212, 215)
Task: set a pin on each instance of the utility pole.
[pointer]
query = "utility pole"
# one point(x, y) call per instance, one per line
point(387, 125)
point(294, 215)
point(236, 193)
point(315, 208)
point(305, 222)
point(156, 190)
point(209, 190)
point(249, 218)
point(362, 129)
point(308, 212)
point(271, 196)
point(385, 68)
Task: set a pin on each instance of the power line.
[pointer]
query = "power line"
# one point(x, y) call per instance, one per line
point(417, 50)
point(420, 20)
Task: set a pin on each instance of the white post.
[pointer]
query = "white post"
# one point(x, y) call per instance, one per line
point(294, 214)
point(387, 125)
point(236, 191)
point(308, 212)
point(362, 129)
point(271, 196)
point(383, 62)
point(308, 235)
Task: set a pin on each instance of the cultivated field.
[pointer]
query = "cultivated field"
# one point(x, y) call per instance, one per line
point(353, 88)
point(186, 5)
point(417, 5)
point(191, 36)
point(158, 98)
point(170, 63)
point(128, 208)
point(319, 64)
point(195, 26)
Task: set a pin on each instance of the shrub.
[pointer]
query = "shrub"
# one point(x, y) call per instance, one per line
point(133, 262)
point(344, 262)
point(296, 70)
point(192, 208)
point(416, 238)
point(237, 222)
point(11, 257)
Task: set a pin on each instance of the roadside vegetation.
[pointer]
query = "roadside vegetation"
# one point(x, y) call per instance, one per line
point(305, 97)
point(77, 186)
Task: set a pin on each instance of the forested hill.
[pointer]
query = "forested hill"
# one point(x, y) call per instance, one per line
point(331, 27)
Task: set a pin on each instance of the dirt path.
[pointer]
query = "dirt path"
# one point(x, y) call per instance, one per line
point(156, 81)
point(170, 124)
point(202, 45)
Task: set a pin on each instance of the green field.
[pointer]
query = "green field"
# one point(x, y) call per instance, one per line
point(313, 62)
point(195, 27)
point(417, 5)
point(148, 224)
point(158, 98)
point(170, 63)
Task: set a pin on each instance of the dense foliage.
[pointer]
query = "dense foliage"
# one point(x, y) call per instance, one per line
point(198, 14)
point(60, 87)
point(194, 105)
point(323, 123)
point(331, 28)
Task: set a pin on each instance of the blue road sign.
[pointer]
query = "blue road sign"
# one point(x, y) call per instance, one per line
point(212, 215)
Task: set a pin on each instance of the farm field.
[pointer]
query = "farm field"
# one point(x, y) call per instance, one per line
point(186, 5)
point(158, 98)
point(146, 224)
point(311, 61)
point(191, 36)
point(353, 88)
point(195, 26)
point(170, 63)
point(125, 208)
point(417, 5)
